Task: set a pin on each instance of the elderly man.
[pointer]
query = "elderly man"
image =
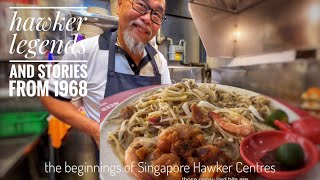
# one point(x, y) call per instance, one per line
point(118, 60)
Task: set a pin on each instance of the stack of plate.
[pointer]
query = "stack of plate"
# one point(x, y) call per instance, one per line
point(98, 10)
point(311, 101)
point(89, 30)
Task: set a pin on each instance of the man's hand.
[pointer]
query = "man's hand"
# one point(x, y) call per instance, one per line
point(69, 114)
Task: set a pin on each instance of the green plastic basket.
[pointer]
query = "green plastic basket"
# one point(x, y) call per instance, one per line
point(22, 123)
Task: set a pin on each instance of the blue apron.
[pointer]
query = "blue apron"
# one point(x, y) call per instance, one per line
point(118, 82)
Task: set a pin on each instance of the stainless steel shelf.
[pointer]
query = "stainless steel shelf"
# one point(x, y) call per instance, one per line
point(103, 21)
point(96, 18)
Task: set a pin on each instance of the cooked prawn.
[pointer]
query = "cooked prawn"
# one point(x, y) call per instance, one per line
point(169, 160)
point(168, 137)
point(244, 128)
point(208, 153)
point(211, 172)
point(138, 150)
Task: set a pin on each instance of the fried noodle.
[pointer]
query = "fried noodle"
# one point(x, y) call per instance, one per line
point(170, 105)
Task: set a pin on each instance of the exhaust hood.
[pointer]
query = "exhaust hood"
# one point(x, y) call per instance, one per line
point(242, 28)
point(232, 6)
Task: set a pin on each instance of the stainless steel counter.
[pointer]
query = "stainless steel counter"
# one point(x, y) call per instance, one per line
point(14, 149)
point(178, 73)
point(285, 81)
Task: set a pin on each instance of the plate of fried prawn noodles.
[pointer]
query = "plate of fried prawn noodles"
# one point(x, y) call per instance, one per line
point(184, 130)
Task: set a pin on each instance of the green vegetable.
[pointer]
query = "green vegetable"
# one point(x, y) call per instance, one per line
point(277, 114)
point(290, 155)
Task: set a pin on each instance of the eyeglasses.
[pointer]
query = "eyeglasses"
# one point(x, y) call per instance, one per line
point(142, 7)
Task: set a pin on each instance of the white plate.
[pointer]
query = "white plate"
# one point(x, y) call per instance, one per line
point(109, 160)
